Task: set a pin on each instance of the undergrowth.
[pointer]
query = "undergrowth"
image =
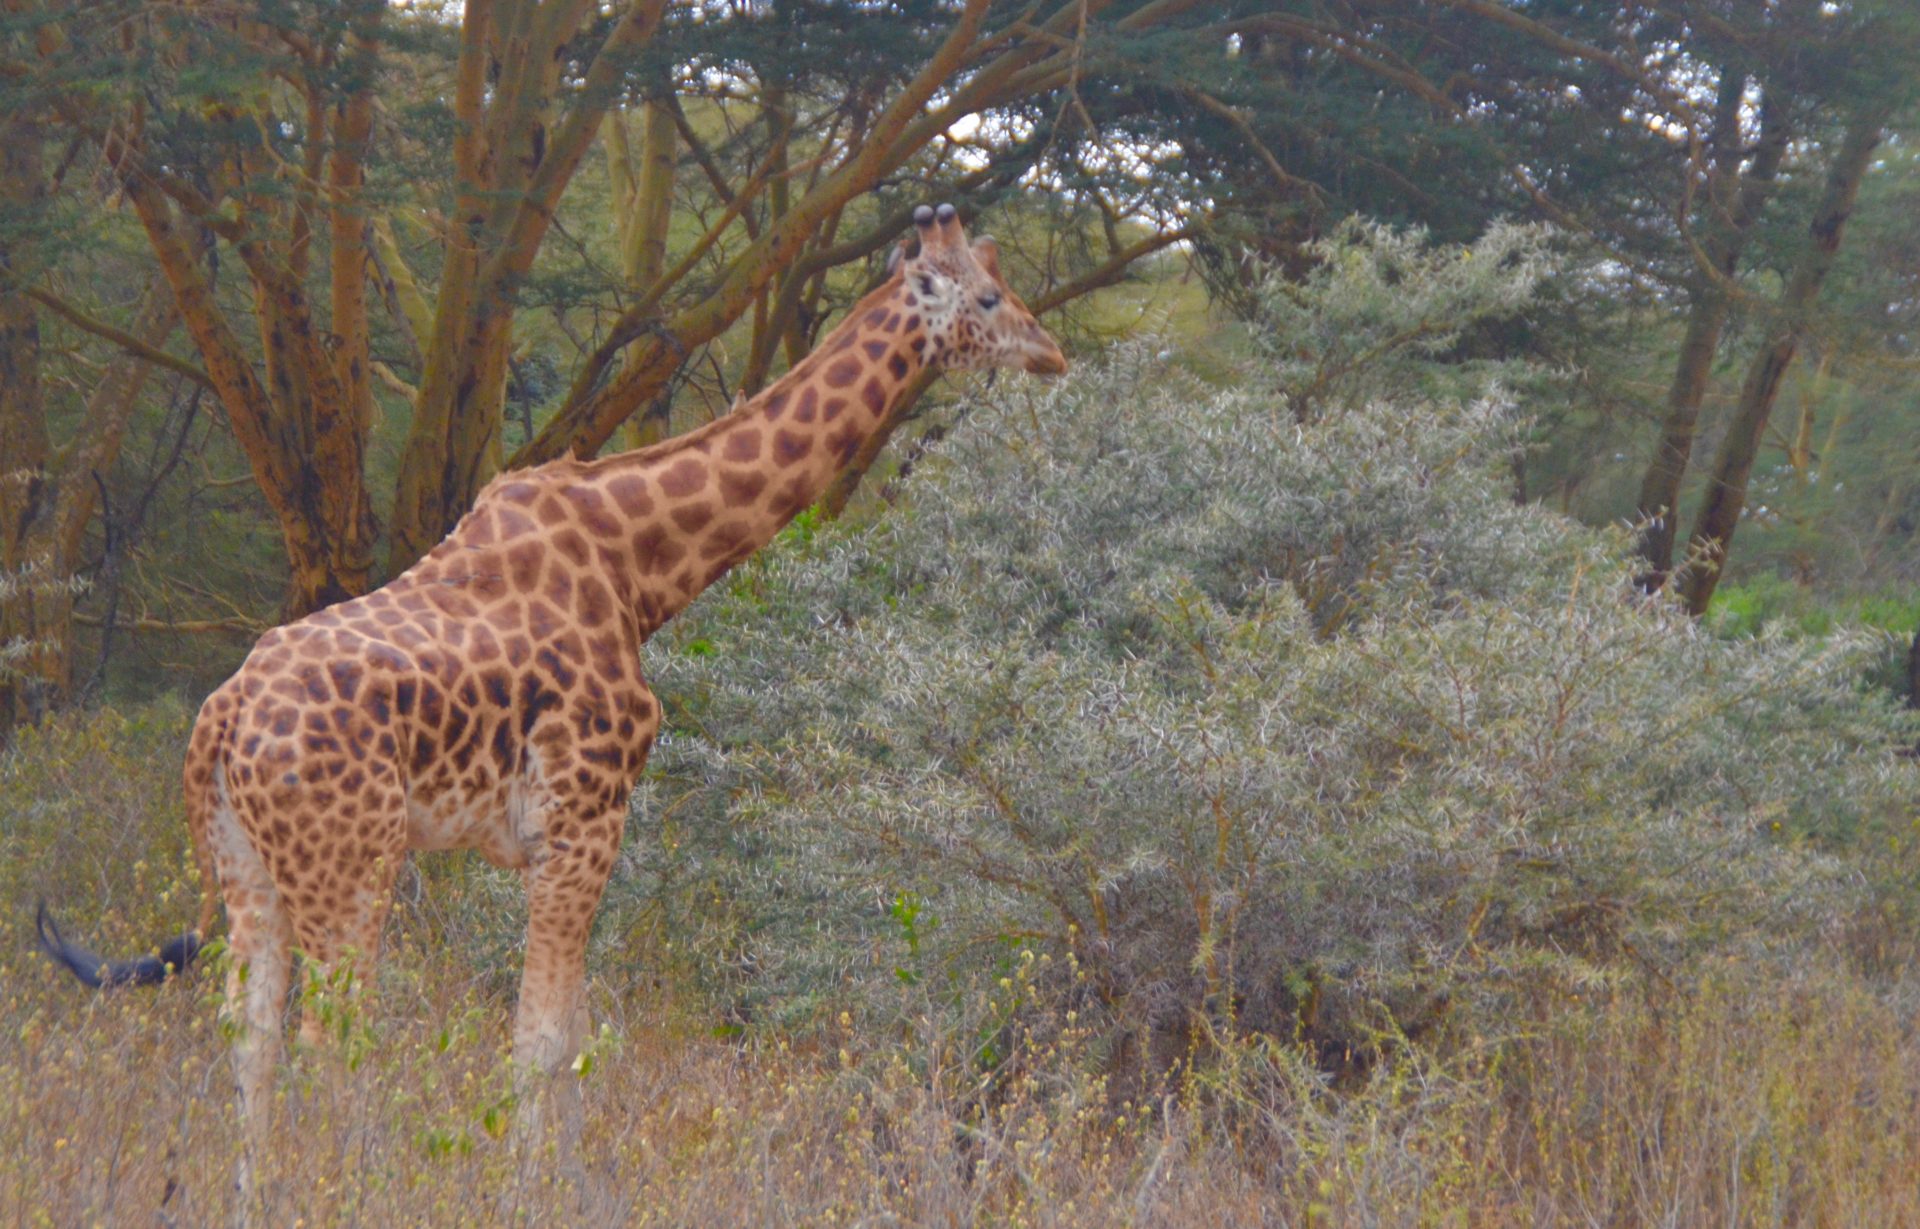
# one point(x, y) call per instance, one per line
point(1731, 1097)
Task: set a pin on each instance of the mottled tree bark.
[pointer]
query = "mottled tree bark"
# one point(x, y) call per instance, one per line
point(510, 167)
point(303, 438)
point(302, 410)
point(24, 445)
point(643, 214)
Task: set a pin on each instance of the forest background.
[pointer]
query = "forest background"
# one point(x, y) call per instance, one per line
point(1553, 360)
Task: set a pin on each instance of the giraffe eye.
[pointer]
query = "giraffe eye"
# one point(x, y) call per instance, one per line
point(989, 300)
point(926, 285)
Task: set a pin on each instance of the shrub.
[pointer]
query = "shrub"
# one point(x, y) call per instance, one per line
point(1281, 723)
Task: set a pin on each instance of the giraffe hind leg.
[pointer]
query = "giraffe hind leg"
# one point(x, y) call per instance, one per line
point(341, 947)
point(338, 889)
point(260, 942)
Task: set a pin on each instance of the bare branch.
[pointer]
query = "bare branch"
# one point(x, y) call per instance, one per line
point(119, 337)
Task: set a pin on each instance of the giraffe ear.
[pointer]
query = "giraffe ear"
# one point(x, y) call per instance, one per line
point(987, 253)
point(898, 254)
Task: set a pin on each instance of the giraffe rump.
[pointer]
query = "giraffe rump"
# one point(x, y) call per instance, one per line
point(173, 956)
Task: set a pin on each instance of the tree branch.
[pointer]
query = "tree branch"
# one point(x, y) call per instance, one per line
point(234, 626)
point(119, 337)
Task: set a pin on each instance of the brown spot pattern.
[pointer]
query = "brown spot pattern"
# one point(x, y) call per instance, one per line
point(790, 447)
point(684, 477)
point(505, 665)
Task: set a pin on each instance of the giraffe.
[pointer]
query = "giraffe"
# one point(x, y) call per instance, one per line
point(490, 697)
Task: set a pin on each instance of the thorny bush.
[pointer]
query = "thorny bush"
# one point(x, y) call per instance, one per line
point(1281, 724)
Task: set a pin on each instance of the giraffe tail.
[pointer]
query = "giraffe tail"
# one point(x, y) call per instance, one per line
point(171, 957)
point(209, 887)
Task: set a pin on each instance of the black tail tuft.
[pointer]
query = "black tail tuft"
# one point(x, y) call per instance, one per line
point(174, 955)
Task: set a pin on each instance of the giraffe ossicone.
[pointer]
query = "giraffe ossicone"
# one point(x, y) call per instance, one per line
point(490, 697)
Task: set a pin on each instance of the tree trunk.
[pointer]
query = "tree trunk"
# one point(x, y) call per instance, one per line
point(1733, 206)
point(60, 536)
point(1800, 456)
point(24, 577)
point(768, 305)
point(511, 165)
point(302, 438)
point(1726, 494)
point(645, 203)
point(45, 533)
point(24, 445)
point(1658, 505)
point(503, 87)
point(349, 254)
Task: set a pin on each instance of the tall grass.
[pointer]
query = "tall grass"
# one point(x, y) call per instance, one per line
point(1728, 1099)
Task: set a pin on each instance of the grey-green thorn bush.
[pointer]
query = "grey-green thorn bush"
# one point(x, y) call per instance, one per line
point(1280, 723)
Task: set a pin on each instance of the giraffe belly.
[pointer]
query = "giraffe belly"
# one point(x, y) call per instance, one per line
point(493, 815)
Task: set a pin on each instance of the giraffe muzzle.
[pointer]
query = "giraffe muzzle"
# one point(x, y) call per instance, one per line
point(1042, 355)
point(1054, 364)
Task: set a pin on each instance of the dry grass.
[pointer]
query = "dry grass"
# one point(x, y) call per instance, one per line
point(1738, 1098)
point(1727, 1105)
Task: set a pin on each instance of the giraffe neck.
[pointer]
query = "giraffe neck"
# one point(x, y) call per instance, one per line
point(696, 505)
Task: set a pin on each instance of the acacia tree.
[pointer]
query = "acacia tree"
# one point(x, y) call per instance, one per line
point(972, 65)
point(23, 429)
point(643, 217)
point(47, 501)
point(776, 152)
point(215, 162)
point(1739, 179)
point(1680, 138)
point(243, 141)
point(817, 110)
point(515, 150)
point(1803, 93)
point(52, 473)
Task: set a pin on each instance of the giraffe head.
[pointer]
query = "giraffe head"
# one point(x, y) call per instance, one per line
point(972, 317)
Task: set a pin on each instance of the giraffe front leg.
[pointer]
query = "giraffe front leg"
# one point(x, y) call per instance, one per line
point(550, 1023)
